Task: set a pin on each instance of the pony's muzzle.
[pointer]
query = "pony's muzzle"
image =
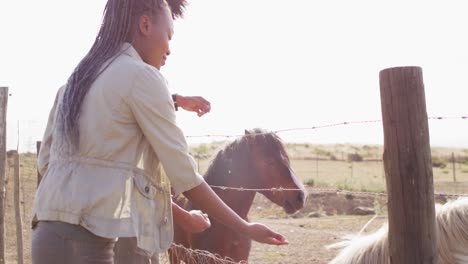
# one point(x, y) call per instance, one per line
point(301, 197)
point(295, 202)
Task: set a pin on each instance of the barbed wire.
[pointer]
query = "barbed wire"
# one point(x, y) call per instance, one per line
point(345, 123)
point(329, 125)
point(207, 257)
point(314, 190)
point(447, 117)
point(198, 256)
point(31, 145)
point(321, 190)
point(225, 188)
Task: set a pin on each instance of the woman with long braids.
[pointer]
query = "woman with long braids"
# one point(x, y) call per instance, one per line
point(110, 130)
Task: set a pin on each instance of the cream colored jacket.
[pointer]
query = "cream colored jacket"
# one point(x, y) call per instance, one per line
point(114, 186)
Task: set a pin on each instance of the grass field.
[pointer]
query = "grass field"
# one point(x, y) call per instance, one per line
point(316, 165)
point(327, 166)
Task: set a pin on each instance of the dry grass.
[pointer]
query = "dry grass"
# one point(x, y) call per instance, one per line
point(314, 164)
point(358, 176)
point(308, 237)
point(28, 181)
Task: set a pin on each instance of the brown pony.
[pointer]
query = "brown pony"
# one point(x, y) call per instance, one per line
point(258, 160)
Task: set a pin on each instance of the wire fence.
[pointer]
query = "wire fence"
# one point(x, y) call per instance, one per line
point(23, 134)
point(345, 123)
point(314, 190)
point(327, 190)
point(188, 255)
point(28, 172)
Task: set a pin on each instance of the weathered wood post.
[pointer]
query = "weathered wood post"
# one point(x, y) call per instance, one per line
point(453, 167)
point(408, 167)
point(3, 113)
point(317, 165)
point(18, 220)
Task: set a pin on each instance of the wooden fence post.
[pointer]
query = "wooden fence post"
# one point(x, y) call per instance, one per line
point(3, 113)
point(317, 165)
point(408, 167)
point(453, 167)
point(19, 221)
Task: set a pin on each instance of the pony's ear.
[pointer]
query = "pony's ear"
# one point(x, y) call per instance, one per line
point(250, 136)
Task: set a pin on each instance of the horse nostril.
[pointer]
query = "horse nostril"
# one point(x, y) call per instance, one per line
point(300, 197)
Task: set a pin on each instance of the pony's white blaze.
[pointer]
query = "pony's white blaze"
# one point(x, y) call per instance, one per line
point(452, 239)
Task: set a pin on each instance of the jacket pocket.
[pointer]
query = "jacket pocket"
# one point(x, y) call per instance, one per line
point(145, 187)
point(151, 215)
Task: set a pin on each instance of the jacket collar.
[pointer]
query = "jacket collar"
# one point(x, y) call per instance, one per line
point(129, 50)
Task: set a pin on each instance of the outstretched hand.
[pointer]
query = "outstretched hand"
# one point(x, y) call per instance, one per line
point(263, 234)
point(195, 104)
point(197, 222)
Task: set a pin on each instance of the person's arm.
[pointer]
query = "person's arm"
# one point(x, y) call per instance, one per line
point(44, 152)
point(195, 104)
point(218, 209)
point(204, 197)
point(194, 221)
point(152, 107)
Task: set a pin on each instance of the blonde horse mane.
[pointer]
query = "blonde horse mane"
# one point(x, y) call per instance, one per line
point(452, 239)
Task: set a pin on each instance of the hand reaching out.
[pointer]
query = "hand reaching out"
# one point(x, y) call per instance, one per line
point(263, 234)
point(209, 202)
point(196, 222)
point(195, 104)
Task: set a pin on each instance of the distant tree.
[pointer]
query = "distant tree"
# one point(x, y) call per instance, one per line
point(438, 163)
point(354, 157)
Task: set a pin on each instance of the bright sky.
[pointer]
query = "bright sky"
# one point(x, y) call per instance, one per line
point(262, 63)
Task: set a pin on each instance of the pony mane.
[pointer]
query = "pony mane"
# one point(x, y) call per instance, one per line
point(366, 249)
point(452, 239)
point(219, 166)
point(236, 154)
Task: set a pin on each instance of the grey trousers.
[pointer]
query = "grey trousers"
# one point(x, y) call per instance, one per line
point(126, 252)
point(63, 243)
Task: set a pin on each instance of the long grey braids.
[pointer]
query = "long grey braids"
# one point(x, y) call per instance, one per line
point(114, 31)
